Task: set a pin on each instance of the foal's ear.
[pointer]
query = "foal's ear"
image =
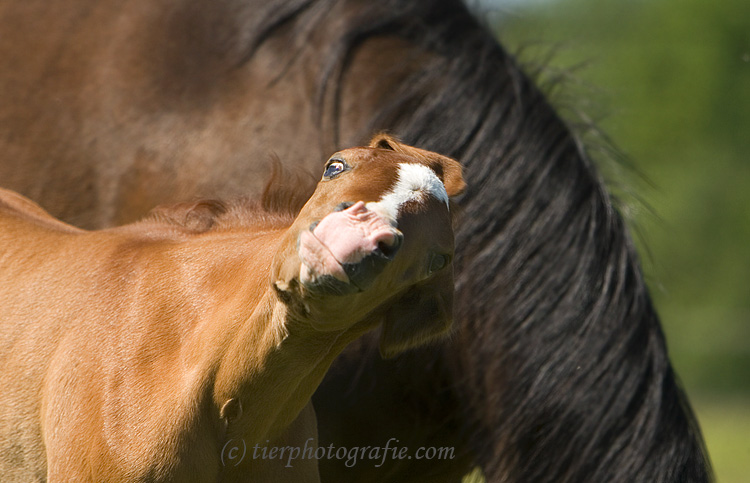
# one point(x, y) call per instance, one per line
point(448, 170)
point(423, 314)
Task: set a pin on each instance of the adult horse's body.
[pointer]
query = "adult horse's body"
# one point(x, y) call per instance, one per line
point(558, 370)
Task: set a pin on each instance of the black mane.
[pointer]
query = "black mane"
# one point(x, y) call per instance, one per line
point(566, 372)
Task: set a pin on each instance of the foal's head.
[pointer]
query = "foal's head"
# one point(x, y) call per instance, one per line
point(374, 243)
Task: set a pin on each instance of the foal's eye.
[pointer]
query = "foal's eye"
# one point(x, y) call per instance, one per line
point(438, 262)
point(334, 168)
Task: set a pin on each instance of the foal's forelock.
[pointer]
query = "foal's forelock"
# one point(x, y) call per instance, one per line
point(414, 182)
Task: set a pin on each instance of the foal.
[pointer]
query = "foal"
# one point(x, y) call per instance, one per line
point(138, 353)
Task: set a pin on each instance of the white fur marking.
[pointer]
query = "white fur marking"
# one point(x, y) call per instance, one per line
point(414, 182)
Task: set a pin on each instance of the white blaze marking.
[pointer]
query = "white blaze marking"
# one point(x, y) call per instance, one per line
point(413, 183)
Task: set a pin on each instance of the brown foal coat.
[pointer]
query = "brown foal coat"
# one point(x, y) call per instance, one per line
point(137, 353)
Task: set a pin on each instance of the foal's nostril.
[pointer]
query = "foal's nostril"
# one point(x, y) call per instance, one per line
point(388, 250)
point(364, 272)
point(343, 206)
point(385, 250)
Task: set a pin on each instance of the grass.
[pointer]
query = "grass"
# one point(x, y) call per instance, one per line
point(726, 428)
point(475, 476)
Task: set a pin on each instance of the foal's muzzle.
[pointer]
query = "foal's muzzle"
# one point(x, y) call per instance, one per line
point(347, 250)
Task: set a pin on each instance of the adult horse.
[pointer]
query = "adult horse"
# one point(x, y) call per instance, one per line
point(558, 370)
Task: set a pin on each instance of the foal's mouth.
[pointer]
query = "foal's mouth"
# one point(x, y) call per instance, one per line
point(346, 250)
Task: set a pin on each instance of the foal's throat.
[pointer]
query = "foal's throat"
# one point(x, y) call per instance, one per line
point(270, 369)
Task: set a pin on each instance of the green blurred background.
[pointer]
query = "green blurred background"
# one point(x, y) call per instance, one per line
point(669, 82)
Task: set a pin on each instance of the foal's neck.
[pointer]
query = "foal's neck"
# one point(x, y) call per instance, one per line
point(263, 355)
point(272, 370)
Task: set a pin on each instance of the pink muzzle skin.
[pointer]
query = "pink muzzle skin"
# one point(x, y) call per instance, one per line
point(344, 244)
